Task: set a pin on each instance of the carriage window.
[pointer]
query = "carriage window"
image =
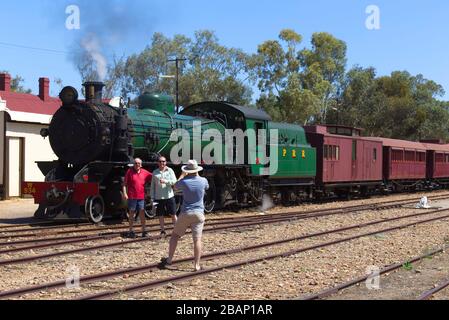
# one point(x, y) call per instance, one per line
point(374, 154)
point(421, 157)
point(331, 152)
point(334, 152)
point(354, 150)
point(439, 157)
point(397, 156)
point(410, 156)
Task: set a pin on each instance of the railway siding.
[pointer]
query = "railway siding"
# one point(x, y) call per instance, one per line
point(282, 278)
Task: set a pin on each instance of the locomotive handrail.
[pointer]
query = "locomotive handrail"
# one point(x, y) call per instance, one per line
point(172, 127)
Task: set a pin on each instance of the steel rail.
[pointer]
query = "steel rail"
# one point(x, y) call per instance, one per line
point(428, 294)
point(141, 269)
point(210, 229)
point(110, 234)
point(50, 223)
point(273, 217)
point(331, 291)
point(188, 276)
point(437, 197)
point(232, 219)
point(305, 215)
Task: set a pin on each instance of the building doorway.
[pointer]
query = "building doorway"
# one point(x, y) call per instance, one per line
point(14, 167)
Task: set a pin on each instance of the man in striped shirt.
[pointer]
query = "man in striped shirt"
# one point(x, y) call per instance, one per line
point(162, 194)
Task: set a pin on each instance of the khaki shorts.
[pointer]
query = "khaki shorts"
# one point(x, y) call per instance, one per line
point(194, 220)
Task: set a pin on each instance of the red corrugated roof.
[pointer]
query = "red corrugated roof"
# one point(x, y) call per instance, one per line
point(23, 102)
point(438, 147)
point(394, 143)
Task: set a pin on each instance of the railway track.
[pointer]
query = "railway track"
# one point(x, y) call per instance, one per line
point(311, 213)
point(218, 225)
point(44, 224)
point(430, 293)
point(334, 290)
point(187, 276)
point(77, 227)
point(209, 228)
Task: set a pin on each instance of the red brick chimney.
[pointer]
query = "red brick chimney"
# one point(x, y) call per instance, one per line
point(44, 88)
point(5, 82)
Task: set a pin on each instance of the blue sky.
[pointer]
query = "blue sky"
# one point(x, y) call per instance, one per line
point(413, 35)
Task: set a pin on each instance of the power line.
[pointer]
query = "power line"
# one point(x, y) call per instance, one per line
point(33, 48)
point(109, 56)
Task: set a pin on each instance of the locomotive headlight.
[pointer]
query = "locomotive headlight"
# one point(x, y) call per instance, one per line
point(68, 95)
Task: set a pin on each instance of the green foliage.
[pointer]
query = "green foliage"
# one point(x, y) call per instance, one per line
point(398, 106)
point(297, 84)
point(324, 69)
point(407, 266)
point(211, 71)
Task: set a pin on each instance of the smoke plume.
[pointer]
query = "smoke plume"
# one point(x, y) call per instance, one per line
point(92, 49)
point(106, 28)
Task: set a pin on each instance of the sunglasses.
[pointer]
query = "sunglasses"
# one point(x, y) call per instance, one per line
point(162, 161)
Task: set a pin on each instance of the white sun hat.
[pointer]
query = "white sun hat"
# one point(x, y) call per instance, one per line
point(192, 167)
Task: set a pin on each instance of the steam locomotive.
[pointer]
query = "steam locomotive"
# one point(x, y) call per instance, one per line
point(95, 143)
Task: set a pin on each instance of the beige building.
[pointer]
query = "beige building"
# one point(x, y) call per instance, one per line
point(22, 116)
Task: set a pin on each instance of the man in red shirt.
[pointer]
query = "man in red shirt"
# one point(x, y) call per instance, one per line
point(134, 192)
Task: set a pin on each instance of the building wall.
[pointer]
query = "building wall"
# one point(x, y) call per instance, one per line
point(2, 146)
point(36, 148)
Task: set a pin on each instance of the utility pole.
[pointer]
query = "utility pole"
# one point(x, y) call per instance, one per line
point(177, 60)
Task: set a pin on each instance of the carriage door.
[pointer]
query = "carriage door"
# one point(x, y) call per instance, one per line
point(368, 160)
point(354, 160)
point(430, 164)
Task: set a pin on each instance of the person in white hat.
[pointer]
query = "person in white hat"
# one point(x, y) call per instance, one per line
point(193, 188)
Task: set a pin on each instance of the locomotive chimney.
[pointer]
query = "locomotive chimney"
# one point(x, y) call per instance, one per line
point(94, 91)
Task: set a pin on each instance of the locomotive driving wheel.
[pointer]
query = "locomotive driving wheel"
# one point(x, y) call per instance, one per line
point(94, 209)
point(150, 212)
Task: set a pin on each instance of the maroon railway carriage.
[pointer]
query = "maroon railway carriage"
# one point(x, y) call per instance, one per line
point(346, 162)
point(404, 163)
point(438, 163)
